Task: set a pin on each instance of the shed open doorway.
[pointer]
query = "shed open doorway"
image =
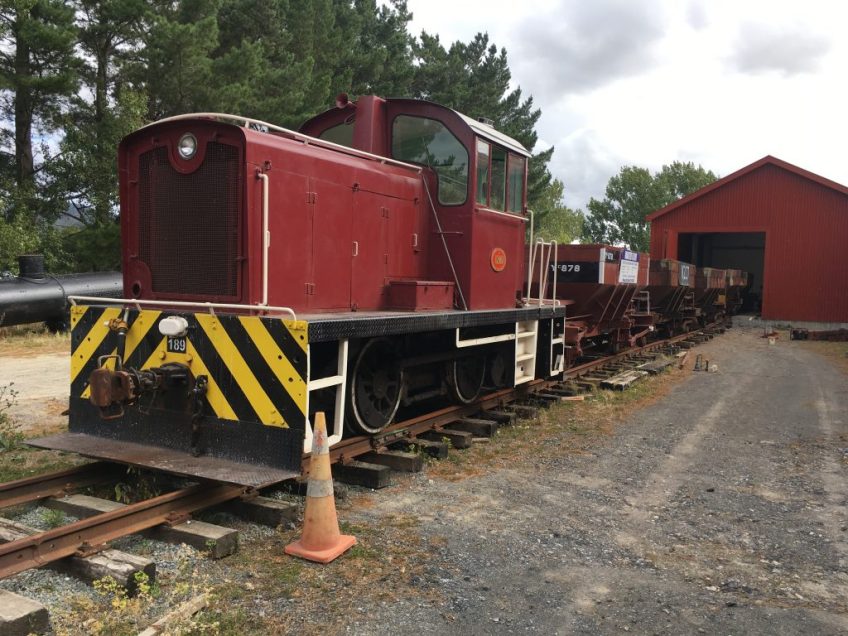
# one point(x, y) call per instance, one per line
point(729, 250)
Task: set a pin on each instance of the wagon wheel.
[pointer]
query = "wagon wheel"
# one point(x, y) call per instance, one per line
point(376, 386)
point(465, 378)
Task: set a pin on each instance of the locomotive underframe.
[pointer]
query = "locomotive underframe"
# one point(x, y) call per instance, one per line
point(263, 378)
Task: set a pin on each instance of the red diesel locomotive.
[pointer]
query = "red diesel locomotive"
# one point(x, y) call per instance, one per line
point(364, 265)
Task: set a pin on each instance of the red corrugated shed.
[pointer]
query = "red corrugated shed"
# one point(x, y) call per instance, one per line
point(805, 221)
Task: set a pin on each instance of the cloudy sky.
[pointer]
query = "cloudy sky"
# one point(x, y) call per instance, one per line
point(720, 83)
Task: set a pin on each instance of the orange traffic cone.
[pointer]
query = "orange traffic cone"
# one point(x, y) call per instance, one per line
point(321, 540)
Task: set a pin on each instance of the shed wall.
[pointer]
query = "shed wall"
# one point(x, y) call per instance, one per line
point(806, 227)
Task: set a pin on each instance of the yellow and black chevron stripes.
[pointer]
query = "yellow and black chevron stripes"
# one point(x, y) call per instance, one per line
point(140, 326)
point(257, 367)
point(89, 338)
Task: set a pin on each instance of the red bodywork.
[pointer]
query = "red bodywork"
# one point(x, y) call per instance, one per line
point(602, 282)
point(343, 227)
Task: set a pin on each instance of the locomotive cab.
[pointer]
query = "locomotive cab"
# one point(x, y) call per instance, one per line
point(474, 189)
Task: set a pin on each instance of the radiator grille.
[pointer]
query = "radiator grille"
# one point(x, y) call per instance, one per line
point(189, 223)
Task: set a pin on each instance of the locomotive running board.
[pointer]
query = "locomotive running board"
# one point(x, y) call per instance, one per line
point(165, 460)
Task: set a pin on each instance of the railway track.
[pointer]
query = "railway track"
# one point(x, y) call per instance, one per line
point(349, 449)
point(90, 535)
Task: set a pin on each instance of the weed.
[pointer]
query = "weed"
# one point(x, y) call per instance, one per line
point(350, 528)
point(416, 449)
point(287, 574)
point(361, 551)
point(52, 518)
point(10, 433)
point(143, 486)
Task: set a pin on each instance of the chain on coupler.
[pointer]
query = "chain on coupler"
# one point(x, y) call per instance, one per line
point(198, 395)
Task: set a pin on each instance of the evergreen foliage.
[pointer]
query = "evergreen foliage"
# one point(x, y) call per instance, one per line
point(78, 75)
point(38, 74)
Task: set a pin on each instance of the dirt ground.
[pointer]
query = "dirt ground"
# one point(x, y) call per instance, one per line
point(694, 503)
point(35, 364)
point(41, 382)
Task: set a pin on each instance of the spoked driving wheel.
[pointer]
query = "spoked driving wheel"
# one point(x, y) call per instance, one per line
point(465, 378)
point(376, 386)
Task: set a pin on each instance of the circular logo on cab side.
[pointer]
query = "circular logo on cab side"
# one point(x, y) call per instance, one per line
point(498, 259)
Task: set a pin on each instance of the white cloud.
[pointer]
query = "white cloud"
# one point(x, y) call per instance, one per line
point(720, 83)
point(579, 46)
point(763, 48)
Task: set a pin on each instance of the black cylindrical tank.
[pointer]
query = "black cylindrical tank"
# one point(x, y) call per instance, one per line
point(38, 297)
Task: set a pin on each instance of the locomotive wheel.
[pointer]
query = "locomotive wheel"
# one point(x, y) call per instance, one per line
point(497, 370)
point(465, 378)
point(376, 386)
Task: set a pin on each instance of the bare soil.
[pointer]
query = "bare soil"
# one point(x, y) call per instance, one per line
point(41, 383)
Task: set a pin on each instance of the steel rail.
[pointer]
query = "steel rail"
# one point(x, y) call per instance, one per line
point(349, 449)
point(87, 535)
point(55, 484)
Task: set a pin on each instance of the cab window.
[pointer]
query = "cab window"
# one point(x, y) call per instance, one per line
point(482, 172)
point(429, 142)
point(498, 195)
point(341, 134)
point(516, 183)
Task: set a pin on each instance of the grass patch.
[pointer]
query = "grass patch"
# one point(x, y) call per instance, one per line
point(564, 427)
point(836, 352)
point(32, 340)
point(112, 611)
point(17, 460)
point(52, 518)
point(26, 462)
point(278, 594)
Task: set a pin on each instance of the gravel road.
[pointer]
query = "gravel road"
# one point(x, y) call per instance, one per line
point(719, 509)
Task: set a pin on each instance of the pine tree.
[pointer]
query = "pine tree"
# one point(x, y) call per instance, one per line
point(474, 79)
point(85, 172)
point(37, 77)
point(174, 65)
point(377, 53)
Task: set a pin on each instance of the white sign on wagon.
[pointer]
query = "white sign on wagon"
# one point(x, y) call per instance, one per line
point(628, 271)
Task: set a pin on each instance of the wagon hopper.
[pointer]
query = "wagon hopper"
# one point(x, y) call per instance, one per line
point(600, 283)
point(709, 294)
point(672, 299)
point(736, 286)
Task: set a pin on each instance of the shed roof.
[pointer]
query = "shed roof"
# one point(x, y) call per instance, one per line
point(768, 159)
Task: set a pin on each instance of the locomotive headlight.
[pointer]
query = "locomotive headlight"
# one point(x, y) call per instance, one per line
point(173, 326)
point(187, 146)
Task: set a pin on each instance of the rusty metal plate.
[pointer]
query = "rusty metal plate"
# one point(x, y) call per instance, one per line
point(164, 459)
